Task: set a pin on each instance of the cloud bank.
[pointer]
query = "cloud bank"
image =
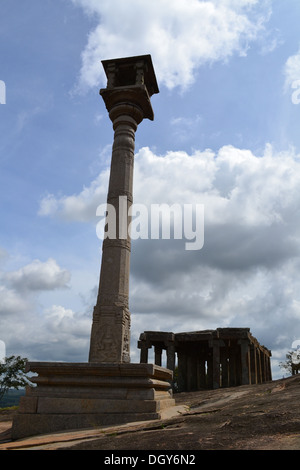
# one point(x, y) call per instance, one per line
point(246, 273)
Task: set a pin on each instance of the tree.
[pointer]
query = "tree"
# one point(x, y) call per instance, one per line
point(12, 374)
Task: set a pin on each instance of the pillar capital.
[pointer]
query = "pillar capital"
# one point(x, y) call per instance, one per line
point(131, 82)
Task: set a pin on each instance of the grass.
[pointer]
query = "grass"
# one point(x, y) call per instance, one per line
point(9, 408)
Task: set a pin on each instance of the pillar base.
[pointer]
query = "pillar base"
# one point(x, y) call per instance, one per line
point(72, 396)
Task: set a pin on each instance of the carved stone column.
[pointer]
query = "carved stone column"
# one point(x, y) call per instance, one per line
point(170, 355)
point(215, 345)
point(157, 355)
point(201, 371)
point(258, 361)
point(182, 371)
point(253, 364)
point(245, 361)
point(111, 322)
point(225, 368)
point(144, 347)
point(131, 82)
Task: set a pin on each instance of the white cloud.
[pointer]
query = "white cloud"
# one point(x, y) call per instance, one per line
point(80, 207)
point(181, 35)
point(12, 302)
point(65, 322)
point(38, 276)
point(237, 188)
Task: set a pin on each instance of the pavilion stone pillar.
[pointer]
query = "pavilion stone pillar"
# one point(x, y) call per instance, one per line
point(130, 84)
point(144, 346)
point(157, 355)
point(182, 370)
point(170, 355)
point(215, 345)
point(225, 367)
point(263, 366)
point(253, 364)
point(245, 361)
point(232, 367)
point(201, 375)
point(259, 370)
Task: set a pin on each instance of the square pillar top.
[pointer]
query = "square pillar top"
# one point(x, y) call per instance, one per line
point(131, 71)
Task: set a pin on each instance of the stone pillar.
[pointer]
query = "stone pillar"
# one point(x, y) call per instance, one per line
point(130, 84)
point(182, 371)
point(216, 363)
point(232, 367)
point(170, 356)
point(201, 377)
point(144, 352)
point(191, 372)
point(245, 361)
point(259, 371)
point(225, 368)
point(253, 364)
point(263, 367)
point(157, 355)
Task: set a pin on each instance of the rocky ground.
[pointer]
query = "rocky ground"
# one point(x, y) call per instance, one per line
point(257, 417)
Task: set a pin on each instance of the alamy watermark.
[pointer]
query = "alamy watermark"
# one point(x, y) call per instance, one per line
point(296, 352)
point(296, 94)
point(2, 92)
point(160, 221)
point(2, 351)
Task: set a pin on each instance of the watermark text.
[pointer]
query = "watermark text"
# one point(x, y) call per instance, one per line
point(160, 221)
point(2, 92)
point(296, 94)
point(296, 352)
point(2, 351)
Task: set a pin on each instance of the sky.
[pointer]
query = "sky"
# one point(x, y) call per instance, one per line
point(225, 136)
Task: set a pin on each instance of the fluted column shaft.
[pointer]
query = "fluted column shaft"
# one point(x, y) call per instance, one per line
point(110, 337)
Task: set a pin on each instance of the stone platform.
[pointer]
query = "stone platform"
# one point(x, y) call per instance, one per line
point(72, 396)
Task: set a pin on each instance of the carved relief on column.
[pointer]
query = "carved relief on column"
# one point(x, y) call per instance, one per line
point(111, 336)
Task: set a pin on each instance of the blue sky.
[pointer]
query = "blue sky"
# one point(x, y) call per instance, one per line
point(225, 134)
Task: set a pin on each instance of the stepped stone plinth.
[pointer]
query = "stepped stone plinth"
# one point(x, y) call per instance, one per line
point(72, 396)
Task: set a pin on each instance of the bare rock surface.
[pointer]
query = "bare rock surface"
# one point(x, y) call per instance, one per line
point(256, 417)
